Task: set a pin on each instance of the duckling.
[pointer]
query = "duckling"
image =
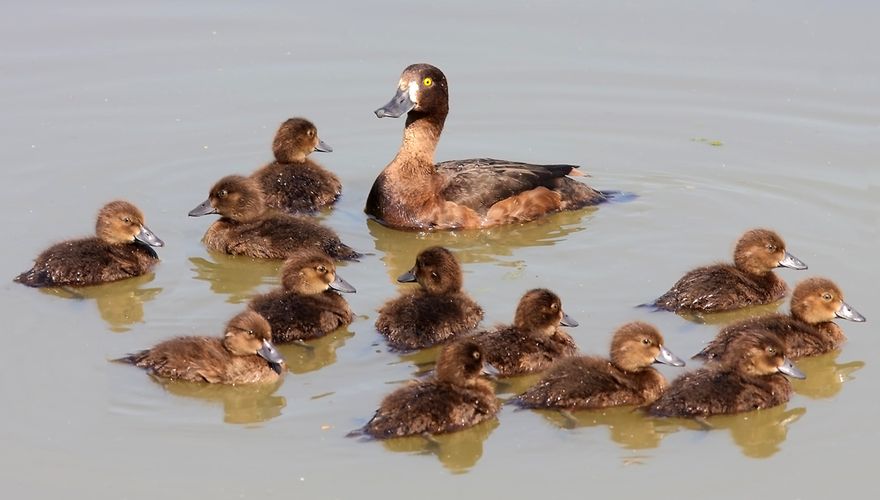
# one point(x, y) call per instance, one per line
point(294, 183)
point(247, 227)
point(435, 313)
point(748, 377)
point(120, 249)
point(453, 399)
point(244, 355)
point(414, 193)
point(749, 281)
point(589, 382)
point(306, 306)
point(807, 331)
point(534, 341)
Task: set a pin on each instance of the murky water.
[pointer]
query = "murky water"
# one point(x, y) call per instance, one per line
point(720, 118)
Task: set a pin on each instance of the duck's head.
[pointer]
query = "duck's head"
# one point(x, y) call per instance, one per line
point(421, 88)
point(297, 138)
point(759, 353)
point(235, 197)
point(460, 362)
point(436, 270)
point(311, 271)
point(247, 334)
point(759, 251)
point(637, 345)
point(816, 300)
point(121, 222)
point(540, 310)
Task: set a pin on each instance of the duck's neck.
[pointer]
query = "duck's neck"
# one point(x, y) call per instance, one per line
point(420, 137)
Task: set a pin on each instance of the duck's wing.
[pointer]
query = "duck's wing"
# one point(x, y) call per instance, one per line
point(479, 183)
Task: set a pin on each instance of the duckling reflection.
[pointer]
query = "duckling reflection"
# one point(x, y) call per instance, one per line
point(314, 354)
point(250, 404)
point(825, 376)
point(728, 317)
point(627, 427)
point(457, 451)
point(120, 303)
point(235, 276)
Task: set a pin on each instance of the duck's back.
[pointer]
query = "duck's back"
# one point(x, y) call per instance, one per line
point(801, 339)
point(419, 319)
point(514, 352)
point(709, 391)
point(721, 287)
point(88, 261)
point(298, 187)
point(302, 317)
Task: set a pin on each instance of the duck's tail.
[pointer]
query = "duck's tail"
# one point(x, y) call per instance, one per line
point(34, 278)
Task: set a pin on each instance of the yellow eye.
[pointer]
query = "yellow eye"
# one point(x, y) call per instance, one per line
point(826, 296)
point(428, 81)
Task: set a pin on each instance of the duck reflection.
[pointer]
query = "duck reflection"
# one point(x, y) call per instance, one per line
point(235, 276)
point(120, 303)
point(825, 377)
point(311, 355)
point(242, 404)
point(628, 426)
point(457, 451)
point(726, 317)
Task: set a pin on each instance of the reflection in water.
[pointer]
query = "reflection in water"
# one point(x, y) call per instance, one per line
point(120, 303)
point(399, 248)
point(314, 354)
point(457, 451)
point(236, 276)
point(825, 377)
point(424, 360)
point(242, 404)
point(724, 318)
point(516, 385)
point(629, 427)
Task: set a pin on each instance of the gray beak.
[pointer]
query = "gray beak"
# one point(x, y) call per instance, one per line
point(790, 369)
point(847, 312)
point(340, 285)
point(407, 277)
point(270, 354)
point(399, 105)
point(490, 371)
point(568, 320)
point(791, 261)
point(667, 358)
point(323, 147)
point(204, 208)
point(151, 239)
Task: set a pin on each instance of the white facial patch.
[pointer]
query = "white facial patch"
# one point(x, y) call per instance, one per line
point(413, 91)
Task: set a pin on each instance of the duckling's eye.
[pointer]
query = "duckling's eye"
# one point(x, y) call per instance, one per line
point(128, 221)
point(646, 341)
point(771, 247)
point(771, 350)
point(222, 193)
point(554, 307)
point(427, 82)
point(826, 296)
point(321, 269)
point(310, 132)
point(476, 354)
point(435, 275)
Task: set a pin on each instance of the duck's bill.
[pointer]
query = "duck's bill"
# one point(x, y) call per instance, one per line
point(204, 208)
point(323, 147)
point(568, 320)
point(340, 285)
point(270, 354)
point(490, 371)
point(407, 277)
point(791, 370)
point(792, 262)
point(667, 358)
point(147, 236)
point(399, 105)
point(845, 311)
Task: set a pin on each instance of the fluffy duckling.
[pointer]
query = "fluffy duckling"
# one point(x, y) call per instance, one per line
point(453, 399)
point(589, 382)
point(749, 281)
point(414, 193)
point(246, 227)
point(748, 377)
point(294, 183)
point(120, 249)
point(244, 355)
point(807, 331)
point(307, 305)
point(534, 341)
point(436, 312)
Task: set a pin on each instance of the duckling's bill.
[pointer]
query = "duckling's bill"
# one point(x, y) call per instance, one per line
point(148, 237)
point(792, 262)
point(204, 208)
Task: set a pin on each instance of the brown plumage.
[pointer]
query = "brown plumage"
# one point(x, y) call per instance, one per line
point(534, 340)
point(587, 382)
point(414, 193)
point(438, 311)
point(807, 331)
point(454, 398)
point(247, 227)
point(306, 306)
point(120, 249)
point(748, 281)
point(293, 182)
point(244, 355)
point(748, 377)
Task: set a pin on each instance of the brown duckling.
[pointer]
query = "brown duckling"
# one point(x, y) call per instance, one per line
point(453, 399)
point(306, 306)
point(534, 340)
point(414, 193)
point(589, 382)
point(244, 355)
point(438, 311)
point(120, 249)
point(807, 331)
point(247, 227)
point(748, 377)
point(748, 281)
point(293, 182)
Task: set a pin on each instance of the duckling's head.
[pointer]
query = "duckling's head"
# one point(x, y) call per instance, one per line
point(235, 197)
point(436, 270)
point(311, 271)
point(637, 345)
point(760, 250)
point(422, 88)
point(816, 300)
point(758, 353)
point(121, 222)
point(247, 334)
point(540, 310)
point(297, 138)
point(460, 362)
